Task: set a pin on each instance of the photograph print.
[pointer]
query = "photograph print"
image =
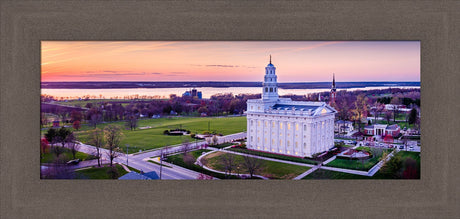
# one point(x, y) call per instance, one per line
point(230, 110)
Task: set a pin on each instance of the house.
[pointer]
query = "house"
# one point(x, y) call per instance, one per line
point(56, 123)
point(138, 176)
point(343, 126)
point(393, 130)
point(382, 130)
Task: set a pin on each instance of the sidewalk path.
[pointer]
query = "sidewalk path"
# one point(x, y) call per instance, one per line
point(307, 172)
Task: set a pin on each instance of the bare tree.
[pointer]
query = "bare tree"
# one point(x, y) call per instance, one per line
point(43, 120)
point(163, 153)
point(388, 115)
point(214, 140)
point(252, 164)
point(188, 159)
point(113, 136)
point(72, 144)
point(96, 138)
point(395, 101)
point(131, 122)
point(96, 119)
point(228, 160)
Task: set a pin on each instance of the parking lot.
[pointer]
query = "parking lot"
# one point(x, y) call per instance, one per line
point(411, 145)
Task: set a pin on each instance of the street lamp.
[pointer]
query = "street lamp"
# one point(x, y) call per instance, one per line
point(161, 161)
point(238, 169)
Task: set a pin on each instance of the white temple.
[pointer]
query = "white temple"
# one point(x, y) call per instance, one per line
point(282, 126)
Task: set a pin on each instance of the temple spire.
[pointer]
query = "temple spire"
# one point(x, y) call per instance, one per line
point(333, 80)
point(270, 58)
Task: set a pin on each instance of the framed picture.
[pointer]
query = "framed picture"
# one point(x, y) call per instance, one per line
point(26, 26)
point(206, 110)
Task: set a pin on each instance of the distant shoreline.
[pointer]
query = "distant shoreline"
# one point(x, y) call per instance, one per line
point(218, 84)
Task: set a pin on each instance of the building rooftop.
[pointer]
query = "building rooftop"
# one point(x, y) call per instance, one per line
point(137, 176)
point(296, 107)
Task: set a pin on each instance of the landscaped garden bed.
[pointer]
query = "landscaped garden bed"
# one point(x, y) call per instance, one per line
point(363, 164)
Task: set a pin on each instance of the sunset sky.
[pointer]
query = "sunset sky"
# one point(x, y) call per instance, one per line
point(296, 61)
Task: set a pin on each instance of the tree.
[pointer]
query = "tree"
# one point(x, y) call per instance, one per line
point(392, 167)
point(185, 146)
point(96, 138)
point(410, 169)
point(113, 172)
point(228, 160)
point(95, 119)
point(395, 101)
point(188, 159)
point(113, 136)
point(44, 147)
point(412, 116)
point(376, 109)
point(62, 135)
point(131, 122)
point(63, 114)
point(72, 144)
point(360, 110)
point(76, 125)
point(252, 164)
point(388, 115)
point(43, 120)
point(214, 140)
point(50, 136)
point(76, 115)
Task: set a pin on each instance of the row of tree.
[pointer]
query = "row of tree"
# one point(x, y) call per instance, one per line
point(109, 138)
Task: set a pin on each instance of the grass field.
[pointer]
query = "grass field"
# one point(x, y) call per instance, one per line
point(271, 169)
point(99, 172)
point(154, 138)
point(327, 174)
point(66, 156)
point(400, 174)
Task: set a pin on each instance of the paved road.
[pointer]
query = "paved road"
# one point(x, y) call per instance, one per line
point(138, 160)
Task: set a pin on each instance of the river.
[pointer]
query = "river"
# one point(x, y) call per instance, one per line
point(165, 92)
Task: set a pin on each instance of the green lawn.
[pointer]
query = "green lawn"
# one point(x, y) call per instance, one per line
point(275, 156)
point(50, 157)
point(404, 172)
point(401, 124)
point(154, 138)
point(271, 169)
point(363, 148)
point(99, 172)
point(177, 159)
point(327, 174)
point(222, 145)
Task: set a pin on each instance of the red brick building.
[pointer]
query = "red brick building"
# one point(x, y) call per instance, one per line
point(382, 130)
